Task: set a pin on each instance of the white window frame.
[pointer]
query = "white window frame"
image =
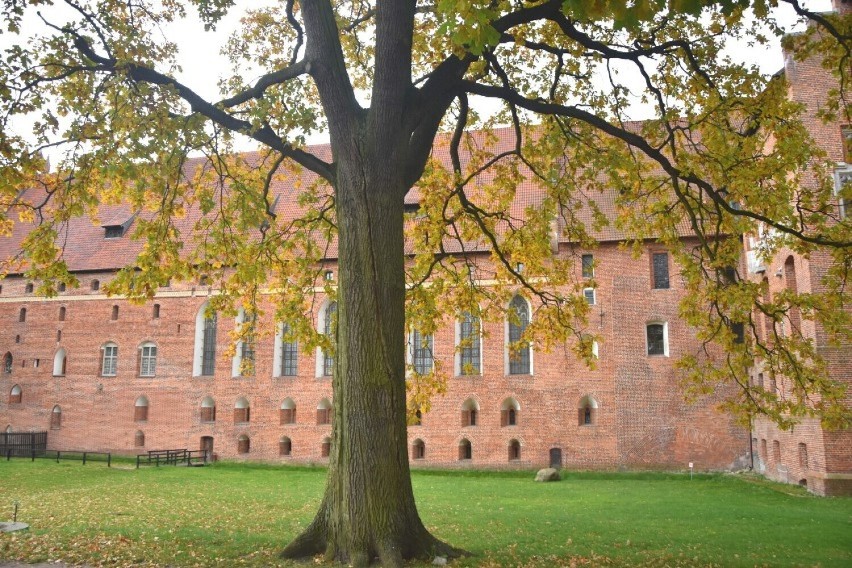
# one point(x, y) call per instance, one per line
point(112, 358)
point(594, 296)
point(148, 362)
point(665, 352)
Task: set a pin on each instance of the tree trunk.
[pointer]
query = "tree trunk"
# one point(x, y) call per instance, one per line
point(368, 509)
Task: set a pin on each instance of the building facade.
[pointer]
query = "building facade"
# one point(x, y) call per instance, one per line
point(808, 454)
point(101, 373)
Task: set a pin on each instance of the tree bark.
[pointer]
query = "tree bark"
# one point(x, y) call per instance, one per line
point(368, 509)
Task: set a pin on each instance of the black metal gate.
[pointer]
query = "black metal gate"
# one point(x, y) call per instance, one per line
point(22, 444)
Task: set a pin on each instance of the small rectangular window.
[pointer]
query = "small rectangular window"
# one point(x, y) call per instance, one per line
point(156, 311)
point(661, 270)
point(589, 294)
point(113, 232)
point(656, 336)
point(588, 266)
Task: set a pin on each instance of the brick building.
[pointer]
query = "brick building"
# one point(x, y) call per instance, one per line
point(103, 374)
point(808, 454)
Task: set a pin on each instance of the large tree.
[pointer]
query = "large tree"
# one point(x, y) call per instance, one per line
point(97, 80)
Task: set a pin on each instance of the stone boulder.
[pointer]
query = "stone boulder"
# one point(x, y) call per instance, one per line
point(547, 474)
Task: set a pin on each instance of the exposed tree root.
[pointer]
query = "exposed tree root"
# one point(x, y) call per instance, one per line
point(311, 542)
point(391, 554)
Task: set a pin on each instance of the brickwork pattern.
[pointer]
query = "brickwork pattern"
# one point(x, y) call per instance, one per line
point(640, 420)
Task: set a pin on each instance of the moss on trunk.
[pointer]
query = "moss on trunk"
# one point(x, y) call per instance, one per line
point(368, 510)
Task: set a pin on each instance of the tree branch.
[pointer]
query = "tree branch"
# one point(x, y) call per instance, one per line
point(641, 144)
point(264, 135)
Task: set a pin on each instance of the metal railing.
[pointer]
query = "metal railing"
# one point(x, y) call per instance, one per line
point(180, 456)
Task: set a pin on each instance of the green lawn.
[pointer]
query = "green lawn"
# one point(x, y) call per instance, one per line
point(231, 514)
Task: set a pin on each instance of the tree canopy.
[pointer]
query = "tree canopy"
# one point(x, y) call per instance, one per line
point(399, 88)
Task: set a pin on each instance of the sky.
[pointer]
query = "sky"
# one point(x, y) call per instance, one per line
point(199, 53)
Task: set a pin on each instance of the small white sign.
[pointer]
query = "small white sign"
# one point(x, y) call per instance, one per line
point(690, 465)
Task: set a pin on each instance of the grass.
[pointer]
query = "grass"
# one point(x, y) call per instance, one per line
point(235, 514)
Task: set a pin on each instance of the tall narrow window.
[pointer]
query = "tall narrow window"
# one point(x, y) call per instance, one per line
point(587, 411)
point(588, 266)
point(329, 323)
point(285, 446)
point(791, 284)
point(22, 315)
point(325, 450)
point(243, 444)
point(422, 352)
point(62, 313)
point(155, 314)
point(803, 456)
point(60, 362)
point(109, 363)
point(843, 189)
point(148, 360)
point(660, 266)
point(289, 353)
point(96, 285)
point(518, 350)
point(114, 313)
point(56, 418)
point(514, 450)
point(657, 338)
point(28, 289)
point(243, 364)
point(15, 395)
point(208, 354)
point(418, 450)
point(7, 363)
point(469, 345)
point(465, 450)
point(139, 439)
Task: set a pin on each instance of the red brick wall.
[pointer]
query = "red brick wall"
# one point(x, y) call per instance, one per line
point(641, 420)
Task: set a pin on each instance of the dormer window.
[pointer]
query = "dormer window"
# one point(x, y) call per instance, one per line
point(113, 232)
point(116, 226)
